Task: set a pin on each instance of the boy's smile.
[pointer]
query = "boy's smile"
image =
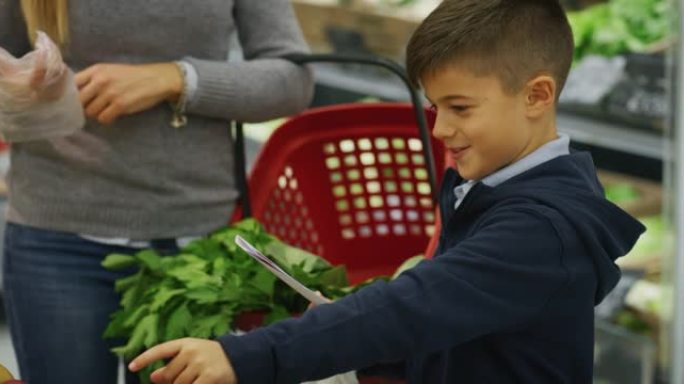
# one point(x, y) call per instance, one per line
point(458, 152)
point(483, 127)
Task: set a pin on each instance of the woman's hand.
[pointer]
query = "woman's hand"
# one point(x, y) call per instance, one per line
point(109, 91)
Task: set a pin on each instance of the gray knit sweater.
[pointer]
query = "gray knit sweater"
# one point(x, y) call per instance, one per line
point(140, 178)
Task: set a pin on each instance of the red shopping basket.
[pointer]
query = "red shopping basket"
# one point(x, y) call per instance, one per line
point(348, 183)
point(354, 184)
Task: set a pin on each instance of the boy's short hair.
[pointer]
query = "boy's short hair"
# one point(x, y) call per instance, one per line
point(514, 40)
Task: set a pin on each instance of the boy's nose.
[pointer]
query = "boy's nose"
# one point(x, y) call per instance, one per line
point(441, 131)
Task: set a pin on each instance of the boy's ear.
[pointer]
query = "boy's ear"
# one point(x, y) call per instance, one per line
point(541, 95)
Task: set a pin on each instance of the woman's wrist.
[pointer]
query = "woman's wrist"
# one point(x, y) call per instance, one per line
point(174, 82)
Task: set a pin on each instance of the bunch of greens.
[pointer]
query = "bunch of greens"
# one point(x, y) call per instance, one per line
point(201, 291)
point(620, 26)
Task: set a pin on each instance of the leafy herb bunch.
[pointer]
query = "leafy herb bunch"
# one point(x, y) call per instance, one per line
point(201, 291)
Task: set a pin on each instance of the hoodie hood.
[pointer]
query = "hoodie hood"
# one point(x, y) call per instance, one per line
point(569, 185)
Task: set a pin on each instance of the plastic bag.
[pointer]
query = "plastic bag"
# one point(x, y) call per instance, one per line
point(38, 95)
point(344, 378)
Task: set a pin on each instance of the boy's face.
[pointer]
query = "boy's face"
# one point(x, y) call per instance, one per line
point(483, 128)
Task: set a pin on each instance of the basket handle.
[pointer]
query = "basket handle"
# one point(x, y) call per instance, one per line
point(240, 163)
point(392, 66)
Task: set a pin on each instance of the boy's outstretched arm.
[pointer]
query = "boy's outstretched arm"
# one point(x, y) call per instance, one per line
point(193, 361)
point(499, 279)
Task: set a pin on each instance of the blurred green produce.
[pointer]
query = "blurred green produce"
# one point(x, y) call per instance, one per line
point(620, 26)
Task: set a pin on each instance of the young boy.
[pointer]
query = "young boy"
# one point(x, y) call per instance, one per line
point(528, 242)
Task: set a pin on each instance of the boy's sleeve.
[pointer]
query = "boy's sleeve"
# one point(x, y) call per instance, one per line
point(496, 280)
point(263, 86)
point(13, 34)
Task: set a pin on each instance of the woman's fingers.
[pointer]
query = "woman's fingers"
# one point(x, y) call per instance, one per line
point(94, 108)
point(82, 78)
point(88, 93)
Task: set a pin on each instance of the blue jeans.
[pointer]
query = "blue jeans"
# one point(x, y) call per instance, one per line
point(58, 300)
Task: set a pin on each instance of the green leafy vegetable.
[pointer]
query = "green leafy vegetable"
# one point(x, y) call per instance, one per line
point(620, 26)
point(408, 264)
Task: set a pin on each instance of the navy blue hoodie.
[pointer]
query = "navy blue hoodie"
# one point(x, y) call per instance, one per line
point(508, 298)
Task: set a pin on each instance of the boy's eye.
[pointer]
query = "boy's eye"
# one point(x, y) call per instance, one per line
point(459, 108)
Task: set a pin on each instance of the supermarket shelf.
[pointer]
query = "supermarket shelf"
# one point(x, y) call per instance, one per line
point(649, 144)
point(590, 131)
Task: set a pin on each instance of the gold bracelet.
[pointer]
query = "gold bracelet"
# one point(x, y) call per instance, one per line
point(179, 118)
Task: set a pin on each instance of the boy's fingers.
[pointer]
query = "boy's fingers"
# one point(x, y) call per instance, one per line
point(188, 376)
point(159, 352)
point(158, 375)
point(170, 372)
point(312, 304)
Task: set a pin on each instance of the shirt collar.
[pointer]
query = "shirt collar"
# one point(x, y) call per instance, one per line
point(548, 151)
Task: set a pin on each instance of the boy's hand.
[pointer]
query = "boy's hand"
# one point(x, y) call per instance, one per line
point(195, 361)
point(313, 305)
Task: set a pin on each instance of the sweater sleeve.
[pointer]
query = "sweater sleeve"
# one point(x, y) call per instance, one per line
point(13, 35)
point(263, 86)
point(497, 280)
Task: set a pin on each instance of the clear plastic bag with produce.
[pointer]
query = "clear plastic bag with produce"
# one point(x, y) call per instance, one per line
point(38, 95)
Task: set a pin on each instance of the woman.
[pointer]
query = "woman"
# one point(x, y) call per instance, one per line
point(152, 167)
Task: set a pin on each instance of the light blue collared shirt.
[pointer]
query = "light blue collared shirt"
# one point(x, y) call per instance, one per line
point(548, 151)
